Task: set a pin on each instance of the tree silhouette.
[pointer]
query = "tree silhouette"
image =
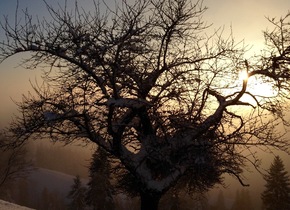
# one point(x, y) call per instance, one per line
point(145, 83)
point(14, 165)
point(99, 194)
point(77, 195)
point(277, 192)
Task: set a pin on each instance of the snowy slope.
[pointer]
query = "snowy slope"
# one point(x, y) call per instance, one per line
point(11, 206)
point(41, 181)
point(52, 180)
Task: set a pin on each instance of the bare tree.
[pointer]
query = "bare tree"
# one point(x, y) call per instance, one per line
point(145, 83)
point(13, 166)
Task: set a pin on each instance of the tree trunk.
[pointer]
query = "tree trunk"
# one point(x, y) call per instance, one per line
point(149, 200)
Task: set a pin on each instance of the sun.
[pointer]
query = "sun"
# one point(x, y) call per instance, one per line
point(258, 88)
point(243, 75)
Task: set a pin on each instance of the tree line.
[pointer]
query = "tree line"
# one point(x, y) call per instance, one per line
point(102, 188)
point(100, 192)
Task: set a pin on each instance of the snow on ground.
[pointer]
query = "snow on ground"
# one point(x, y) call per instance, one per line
point(53, 181)
point(11, 206)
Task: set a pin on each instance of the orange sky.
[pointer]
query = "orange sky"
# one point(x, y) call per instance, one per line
point(247, 18)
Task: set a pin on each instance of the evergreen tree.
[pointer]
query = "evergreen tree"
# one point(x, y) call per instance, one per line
point(277, 192)
point(77, 195)
point(99, 194)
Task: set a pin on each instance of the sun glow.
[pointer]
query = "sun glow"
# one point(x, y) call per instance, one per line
point(258, 88)
point(243, 75)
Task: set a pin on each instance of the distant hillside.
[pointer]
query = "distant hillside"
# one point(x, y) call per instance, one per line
point(43, 181)
point(42, 189)
point(51, 180)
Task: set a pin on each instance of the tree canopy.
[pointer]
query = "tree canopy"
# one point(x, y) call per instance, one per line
point(148, 85)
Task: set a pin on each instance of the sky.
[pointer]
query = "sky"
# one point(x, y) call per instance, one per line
point(245, 17)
